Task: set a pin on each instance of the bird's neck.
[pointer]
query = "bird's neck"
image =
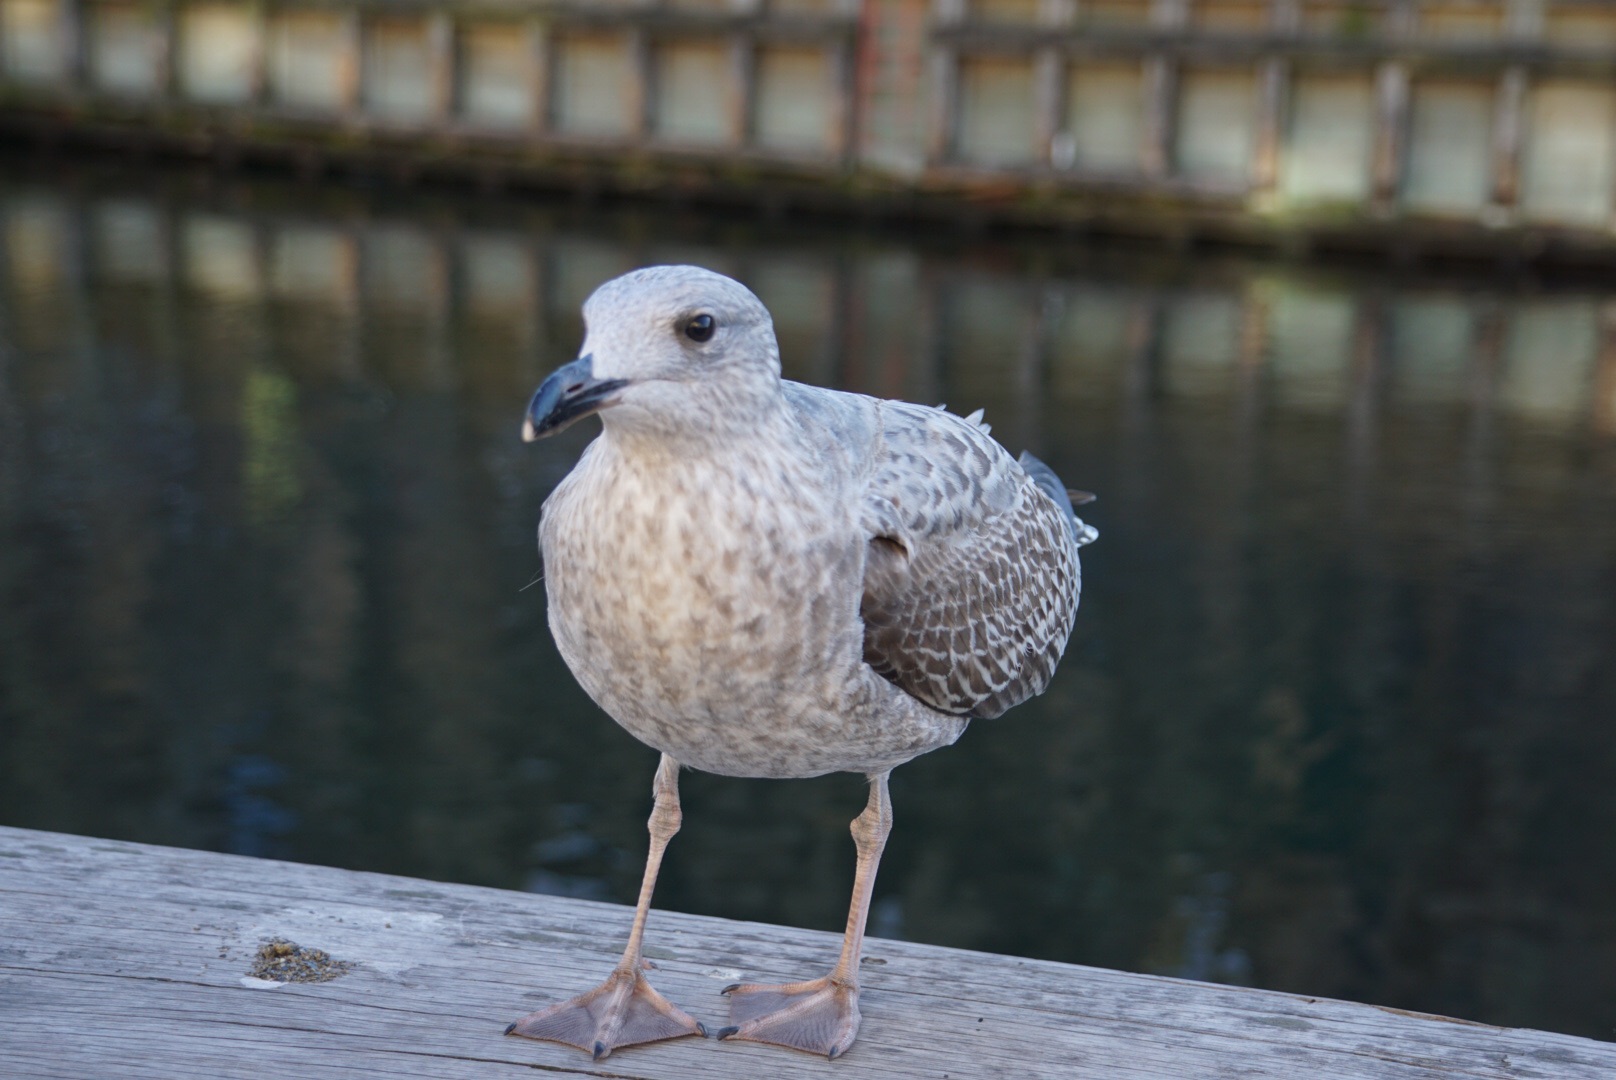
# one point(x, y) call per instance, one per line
point(719, 430)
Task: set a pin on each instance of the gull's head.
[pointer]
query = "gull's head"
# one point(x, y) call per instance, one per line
point(667, 349)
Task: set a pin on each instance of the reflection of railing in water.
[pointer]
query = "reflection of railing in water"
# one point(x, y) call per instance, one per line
point(1001, 338)
point(1405, 122)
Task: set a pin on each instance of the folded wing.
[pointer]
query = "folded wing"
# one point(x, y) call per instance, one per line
point(972, 579)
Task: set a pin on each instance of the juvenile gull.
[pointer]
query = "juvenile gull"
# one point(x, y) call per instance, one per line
point(762, 578)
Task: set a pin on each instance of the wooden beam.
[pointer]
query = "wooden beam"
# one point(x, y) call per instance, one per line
point(133, 961)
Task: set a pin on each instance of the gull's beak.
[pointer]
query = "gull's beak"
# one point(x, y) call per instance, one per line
point(570, 393)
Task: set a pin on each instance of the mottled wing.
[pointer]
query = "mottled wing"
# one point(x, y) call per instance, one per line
point(972, 579)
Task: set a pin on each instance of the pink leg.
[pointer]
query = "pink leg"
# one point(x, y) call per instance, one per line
point(821, 1016)
point(624, 1010)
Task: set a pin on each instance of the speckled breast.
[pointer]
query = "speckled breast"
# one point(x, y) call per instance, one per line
point(721, 629)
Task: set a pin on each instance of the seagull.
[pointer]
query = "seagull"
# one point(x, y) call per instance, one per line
point(762, 578)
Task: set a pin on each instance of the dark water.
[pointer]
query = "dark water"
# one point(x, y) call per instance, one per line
point(1336, 718)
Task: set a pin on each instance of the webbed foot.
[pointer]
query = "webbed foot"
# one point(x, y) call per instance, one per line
point(622, 1011)
point(820, 1016)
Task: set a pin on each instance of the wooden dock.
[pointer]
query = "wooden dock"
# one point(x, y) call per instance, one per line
point(1440, 125)
point(127, 960)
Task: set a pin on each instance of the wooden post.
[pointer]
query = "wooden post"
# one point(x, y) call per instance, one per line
point(942, 135)
point(1273, 85)
point(442, 66)
point(1392, 111)
point(1161, 93)
point(540, 64)
point(642, 77)
point(1273, 97)
point(75, 69)
point(843, 135)
point(741, 106)
point(1391, 131)
point(167, 29)
point(258, 58)
point(351, 78)
point(1508, 124)
point(1523, 20)
point(1049, 79)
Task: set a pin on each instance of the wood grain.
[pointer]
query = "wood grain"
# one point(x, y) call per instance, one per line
point(125, 960)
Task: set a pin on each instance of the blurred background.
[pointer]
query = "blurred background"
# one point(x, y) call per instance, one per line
point(1316, 296)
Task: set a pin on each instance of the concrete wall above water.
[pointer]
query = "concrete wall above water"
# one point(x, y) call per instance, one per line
point(1432, 123)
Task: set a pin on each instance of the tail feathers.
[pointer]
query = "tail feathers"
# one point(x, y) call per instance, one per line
point(1045, 478)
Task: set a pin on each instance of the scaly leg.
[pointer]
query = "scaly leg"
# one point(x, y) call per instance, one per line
point(821, 1016)
point(624, 1010)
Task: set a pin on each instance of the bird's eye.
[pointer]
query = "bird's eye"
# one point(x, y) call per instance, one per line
point(700, 328)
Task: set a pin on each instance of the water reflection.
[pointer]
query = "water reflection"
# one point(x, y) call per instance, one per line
point(1335, 718)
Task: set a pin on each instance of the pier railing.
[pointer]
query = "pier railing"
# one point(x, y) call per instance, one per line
point(1397, 121)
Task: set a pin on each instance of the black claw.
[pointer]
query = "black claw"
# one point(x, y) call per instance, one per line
point(724, 1033)
point(600, 1050)
point(701, 1027)
point(835, 1052)
point(730, 987)
point(510, 1027)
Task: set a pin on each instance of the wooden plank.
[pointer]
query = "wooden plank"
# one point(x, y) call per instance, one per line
point(121, 959)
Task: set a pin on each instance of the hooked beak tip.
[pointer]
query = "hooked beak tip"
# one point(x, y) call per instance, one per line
point(570, 393)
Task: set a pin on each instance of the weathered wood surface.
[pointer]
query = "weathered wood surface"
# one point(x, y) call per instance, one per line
point(123, 960)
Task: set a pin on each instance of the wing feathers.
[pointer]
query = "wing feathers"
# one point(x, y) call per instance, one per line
point(972, 577)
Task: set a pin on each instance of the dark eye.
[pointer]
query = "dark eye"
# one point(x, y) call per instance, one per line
point(700, 328)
